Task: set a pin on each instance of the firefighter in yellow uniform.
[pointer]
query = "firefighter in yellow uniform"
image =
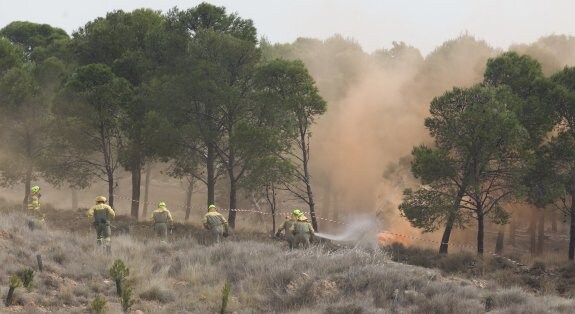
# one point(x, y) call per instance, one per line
point(34, 203)
point(162, 217)
point(290, 220)
point(102, 214)
point(216, 224)
point(302, 230)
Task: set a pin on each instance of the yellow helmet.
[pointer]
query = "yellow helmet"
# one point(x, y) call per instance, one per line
point(35, 189)
point(101, 199)
point(211, 206)
point(162, 204)
point(297, 212)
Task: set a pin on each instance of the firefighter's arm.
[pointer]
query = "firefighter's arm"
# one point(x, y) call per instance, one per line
point(90, 212)
point(170, 219)
point(282, 227)
point(205, 221)
point(224, 222)
point(111, 212)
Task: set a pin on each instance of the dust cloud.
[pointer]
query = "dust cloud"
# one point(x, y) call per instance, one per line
point(377, 104)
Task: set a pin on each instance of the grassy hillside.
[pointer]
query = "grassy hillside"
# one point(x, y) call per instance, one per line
point(184, 276)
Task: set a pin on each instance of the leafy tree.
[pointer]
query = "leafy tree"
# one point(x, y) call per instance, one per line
point(90, 109)
point(224, 47)
point(479, 141)
point(536, 111)
point(10, 55)
point(26, 122)
point(292, 91)
point(562, 147)
point(138, 48)
point(438, 203)
point(26, 91)
point(40, 41)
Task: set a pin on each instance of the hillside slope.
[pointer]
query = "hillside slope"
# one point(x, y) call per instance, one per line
point(187, 277)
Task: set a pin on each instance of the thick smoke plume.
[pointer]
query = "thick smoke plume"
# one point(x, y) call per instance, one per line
point(377, 104)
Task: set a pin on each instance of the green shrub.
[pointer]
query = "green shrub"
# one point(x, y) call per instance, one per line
point(225, 296)
point(27, 277)
point(119, 272)
point(126, 298)
point(15, 282)
point(98, 305)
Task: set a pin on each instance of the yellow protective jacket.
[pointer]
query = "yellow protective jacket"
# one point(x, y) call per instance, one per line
point(101, 213)
point(301, 227)
point(162, 215)
point(212, 219)
point(34, 201)
point(287, 224)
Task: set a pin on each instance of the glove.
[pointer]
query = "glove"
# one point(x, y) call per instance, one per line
point(225, 234)
point(277, 234)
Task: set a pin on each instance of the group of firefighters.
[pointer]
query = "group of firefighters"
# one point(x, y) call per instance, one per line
point(298, 230)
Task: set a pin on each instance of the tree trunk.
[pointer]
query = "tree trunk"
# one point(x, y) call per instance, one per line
point(136, 170)
point(271, 197)
point(110, 188)
point(74, 199)
point(533, 232)
point(233, 188)
point(233, 204)
point(27, 187)
point(444, 246)
point(512, 231)
point(189, 192)
point(541, 232)
point(307, 178)
point(211, 173)
point(147, 188)
point(500, 238)
point(480, 229)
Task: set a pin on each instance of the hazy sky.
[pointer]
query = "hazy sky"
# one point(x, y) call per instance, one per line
point(375, 24)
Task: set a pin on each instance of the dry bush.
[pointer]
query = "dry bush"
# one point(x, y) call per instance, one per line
point(159, 294)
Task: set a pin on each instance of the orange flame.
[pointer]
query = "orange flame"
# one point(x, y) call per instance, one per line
point(387, 239)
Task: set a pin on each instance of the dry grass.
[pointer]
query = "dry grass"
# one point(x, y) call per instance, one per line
point(185, 276)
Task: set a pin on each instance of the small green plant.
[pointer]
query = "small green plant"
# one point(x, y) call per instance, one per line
point(27, 277)
point(126, 297)
point(99, 305)
point(119, 272)
point(15, 282)
point(225, 296)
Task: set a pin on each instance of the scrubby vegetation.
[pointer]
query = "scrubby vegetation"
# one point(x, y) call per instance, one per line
point(184, 276)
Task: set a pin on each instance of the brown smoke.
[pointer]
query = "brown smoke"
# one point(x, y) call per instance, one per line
point(377, 104)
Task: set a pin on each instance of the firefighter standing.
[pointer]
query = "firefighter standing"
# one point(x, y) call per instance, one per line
point(302, 230)
point(216, 224)
point(289, 221)
point(34, 202)
point(162, 218)
point(102, 214)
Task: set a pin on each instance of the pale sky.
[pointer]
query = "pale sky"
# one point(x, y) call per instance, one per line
point(374, 24)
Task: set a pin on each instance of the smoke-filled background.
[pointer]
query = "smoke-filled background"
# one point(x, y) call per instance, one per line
point(377, 103)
